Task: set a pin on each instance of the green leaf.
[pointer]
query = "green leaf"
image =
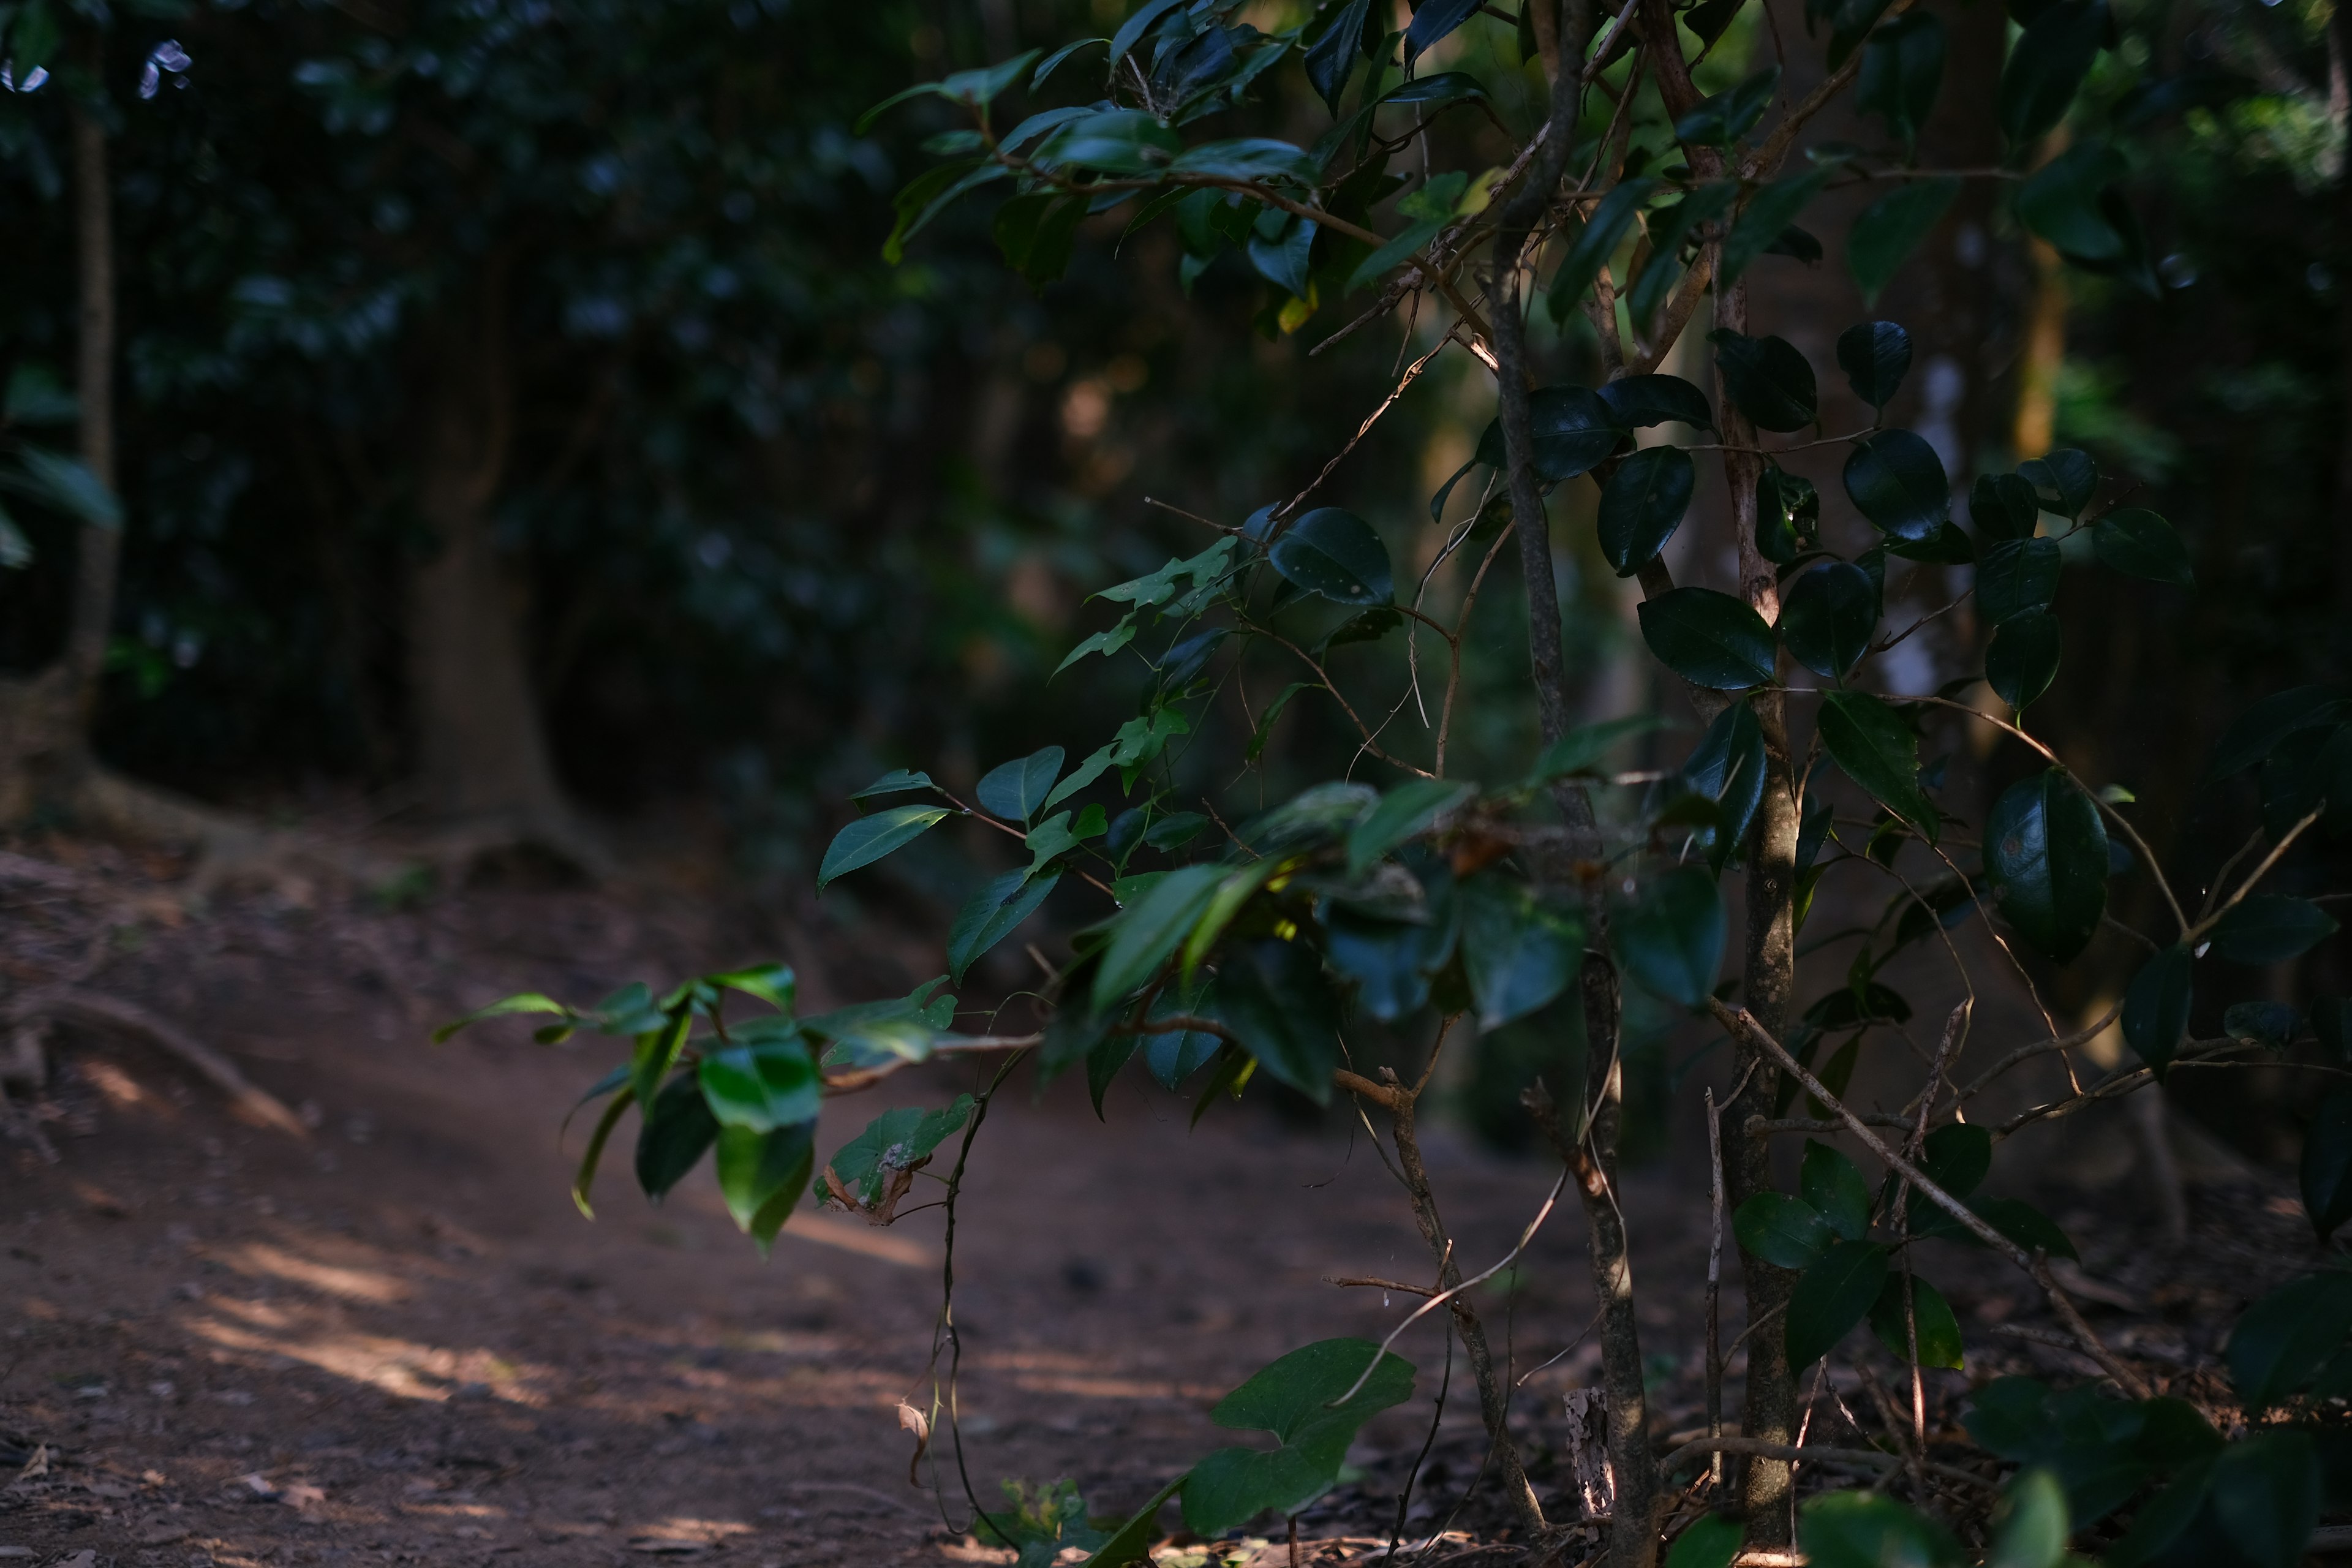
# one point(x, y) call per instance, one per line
point(1782, 1230)
point(2268, 1024)
point(1867, 1530)
point(895, 1140)
point(1767, 378)
point(1671, 939)
point(1036, 232)
point(995, 914)
point(1957, 1157)
point(2266, 1497)
point(869, 839)
point(2023, 659)
point(1831, 1183)
point(2063, 481)
point(2016, 576)
point(1724, 119)
point(65, 483)
point(1830, 1297)
point(2026, 1225)
point(2002, 506)
point(677, 1128)
point(2282, 1341)
point(1399, 247)
point(2136, 542)
point(1902, 68)
point(521, 1002)
point(1017, 791)
point(1571, 428)
point(1336, 555)
point(1332, 58)
point(2046, 860)
point(1519, 951)
point(1938, 1329)
point(2254, 733)
point(1119, 142)
point(1769, 212)
point(1054, 62)
point(1434, 20)
point(1106, 643)
point(657, 1052)
point(1235, 889)
point(1642, 504)
point(1131, 1545)
point(1292, 1398)
point(1787, 515)
point(1875, 357)
point(1827, 617)
point(1879, 751)
point(2063, 202)
point(1896, 481)
point(2269, 928)
point(2327, 1162)
point(761, 1087)
point(2046, 67)
point(1726, 767)
point(1635, 402)
point(1708, 638)
point(594, 1154)
point(1443, 86)
point(1145, 936)
point(1247, 158)
point(1581, 749)
point(1273, 995)
point(1597, 242)
point(1889, 230)
point(2160, 1520)
point(1711, 1542)
point(1403, 812)
point(761, 1176)
point(2033, 1526)
point(897, 781)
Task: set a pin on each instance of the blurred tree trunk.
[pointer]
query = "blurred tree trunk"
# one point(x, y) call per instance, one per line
point(481, 748)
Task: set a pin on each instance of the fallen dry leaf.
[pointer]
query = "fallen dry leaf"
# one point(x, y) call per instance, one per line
point(303, 1495)
point(38, 1465)
point(913, 1420)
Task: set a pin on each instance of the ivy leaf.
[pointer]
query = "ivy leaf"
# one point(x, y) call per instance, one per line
point(895, 1141)
point(1671, 939)
point(1889, 229)
point(2023, 659)
point(1938, 1329)
point(1016, 791)
point(869, 839)
point(1642, 504)
point(995, 914)
point(1401, 812)
point(2016, 576)
point(2269, 928)
point(1519, 953)
point(2136, 542)
point(1272, 994)
point(1875, 357)
point(1832, 1296)
point(2046, 859)
point(1335, 555)
point(2155, 1007)
point(1782, 1230)
point(1897, 481)
point(1827, 617)
point(1293, 1399)
point(1767, 378)
point(1145, 936)
point(2047, 66)
point(1879, 751)
point(1708, 638)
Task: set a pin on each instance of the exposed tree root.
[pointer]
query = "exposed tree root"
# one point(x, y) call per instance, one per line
point(90, 1009)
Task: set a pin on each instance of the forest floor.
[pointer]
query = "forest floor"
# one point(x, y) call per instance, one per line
point(394, 1339)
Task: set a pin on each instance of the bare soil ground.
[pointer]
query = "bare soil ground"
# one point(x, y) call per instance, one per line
point(396, 1341)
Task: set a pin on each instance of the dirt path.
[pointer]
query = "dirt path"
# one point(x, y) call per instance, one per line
point(399, 1342)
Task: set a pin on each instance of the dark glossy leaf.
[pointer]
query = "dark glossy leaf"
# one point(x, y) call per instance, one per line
point(1519, 951)
point(1726, 767)
point(1798, 244)
point(1336, 555)
point(1937, 1328)
point(2026, 1225)
point(762, 1175)
point(1787, 515)
point(2015, 576)
point(1957, 1157)
point(1771, 212)
point(1832, 1297)
point(1902, 68)
point(1293, 1398)
point(1767, 378)
point(1642, 504)
point(1250, 158)
point(992, 914)
point(2250, 737)
point(2023, 659)
point(1406, 810)
point(2331, 1021)
point(1332, 58)
point(2063, 481)
point(2159, 1528)
point(677, 1128)
point(2266, 1497)
point(1851, 21)
point(1444, 87)
point(2327, 1164)
point(1273, 997)
point(2003, 507)
point(1708, 638)
point(1671, 939)
point(2136, 542)
point(1146, 935)
point(1119, 142)
point(1017, 790)
point(1887, 231)
point(2063, 203)
point(1782, 1230)
point(1724, 119)
point(1875, 357)
point(2046, 66)
point(2046, 860)
point(2282, 1341)
point(1867, 1530)
point(1827, 617)
point(1877, 749)
point(1036, 232)
point(1434, 20)
point(1141, 21)
point(1897, 481)
point(1832, 1184)
point(1635, 402)
point(1573, 430)
point(2155, 1007)
point(1711, 1542)
point(1597, 242)
point(1669, 228)
point(2269, 928)
point(869, 839)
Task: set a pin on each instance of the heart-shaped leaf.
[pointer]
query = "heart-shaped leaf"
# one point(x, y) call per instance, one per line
point(1293, 1398)
point(1335, 555)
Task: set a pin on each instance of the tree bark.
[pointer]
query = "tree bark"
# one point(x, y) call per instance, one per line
point(100, 548)
point(481, 748)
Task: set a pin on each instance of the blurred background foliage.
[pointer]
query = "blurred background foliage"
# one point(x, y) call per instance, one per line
point(771, 514)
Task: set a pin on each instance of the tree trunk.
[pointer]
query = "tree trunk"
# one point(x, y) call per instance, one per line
point(481, 748)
